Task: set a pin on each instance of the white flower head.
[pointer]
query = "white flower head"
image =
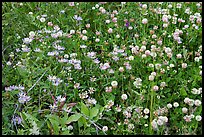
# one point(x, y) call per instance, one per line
point(114, 84)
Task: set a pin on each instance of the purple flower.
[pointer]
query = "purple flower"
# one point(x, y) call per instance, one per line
point(78, 18)
point(17, 120)
point(23, 98)
point(96, 61)
point(127, 24)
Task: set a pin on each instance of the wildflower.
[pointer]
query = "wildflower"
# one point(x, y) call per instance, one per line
point(97, 40)
point(118, 108)
point(70, 127)
point(154, 124)
point(71, 4)
point(176, 104)
point(144, 6)
point(169, 105)
point(137, 83)
point(110, 30)
point(77, 85)
point(114, 84)
point(84, 38)
point(131, 126)
point(42, 19)
point(131, 58)
point(144, 21)
point(197, 59)
point(198, 118)
point(8, 63)
point(197, 102)
point(91, 90)
point(105, 128)
point(16, 120)
point(155, 88)
point(124, 96)
point(87, 25)
point(72, 31)
point(23, 98)
point(53, 107)
point(187, 118)
point(78, 18)
point(160, 122)
point(184, 65)
point(151, 77)
point(184, 110)
point(27, 40)
point(146, 111)
point(108, 89)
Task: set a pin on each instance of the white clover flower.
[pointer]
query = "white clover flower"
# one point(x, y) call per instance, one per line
point(97, 40)
point(169, 105)
point(171, 65)
point(198, 118)
point(154, 124)
point(114, 84)
point(124, 96)
point(151, 77)
point(146, 111)
point(42, 19)
point(137, 83)
point(131, 58)
point(131, 126)
point(184, 110)
point(197, 102)
point(197, 59)
point(144, 21)
point(84, 31)
point(184, 65)
point(121, 69)
point(70, 127)
point(72, 31)
point(160, 122)
point(84, 38)
point(117, 36)
point(144, 6)
point(186, 100)
point(176, 104)
point(191, 102)
point(155, 88)
point(105, 128)
point(107, 21)
point(31, 34)
point(110, 30)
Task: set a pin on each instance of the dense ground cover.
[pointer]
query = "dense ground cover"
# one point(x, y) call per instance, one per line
point(102, 68)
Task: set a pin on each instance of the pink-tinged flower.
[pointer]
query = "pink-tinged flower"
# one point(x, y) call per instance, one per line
point(114, 84)
point(88, 25)
point(121, 69)
point(155, 88)
point(184, 65)
point(110, 30)
point(108, 89)
point(49, 24)
point(71, 4)
point(144, 21)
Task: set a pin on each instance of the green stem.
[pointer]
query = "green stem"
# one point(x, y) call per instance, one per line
point(151, 112)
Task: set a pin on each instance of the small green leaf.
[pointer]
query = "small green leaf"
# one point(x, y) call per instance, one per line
point(81, 121)
point(93, 112)
point(55, 125)
point(74, 117)
point(84, 109)
point(183, 91)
